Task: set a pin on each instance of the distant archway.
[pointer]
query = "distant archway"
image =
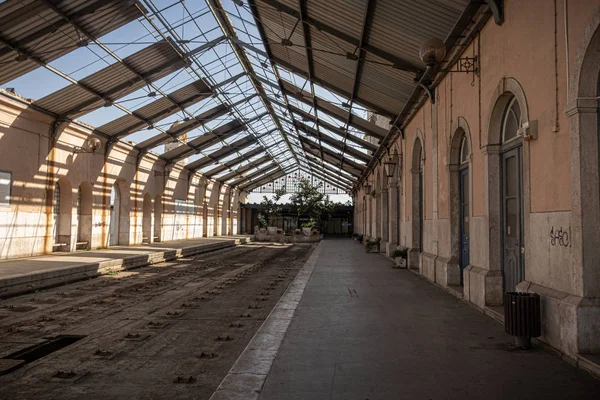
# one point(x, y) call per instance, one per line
point(158, 218)
point(62, 206)
point(147, 219)
point(119, 214)
point(460, 201)
point(85, 202)
point(417, 206)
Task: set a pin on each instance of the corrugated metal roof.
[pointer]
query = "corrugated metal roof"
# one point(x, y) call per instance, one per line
point(222, 152)
point(185, 127)
point(256, 164)
point(267, 168)
point(33, 28)
point(114, 81)
point(396, 28)
point(232, 163)
point(157, 110)
point(204, 141)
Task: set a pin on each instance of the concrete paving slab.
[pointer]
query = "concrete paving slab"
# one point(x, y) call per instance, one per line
point(364, 330)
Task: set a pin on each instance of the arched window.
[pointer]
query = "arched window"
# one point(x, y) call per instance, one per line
point(512, 121)
point(464, 150)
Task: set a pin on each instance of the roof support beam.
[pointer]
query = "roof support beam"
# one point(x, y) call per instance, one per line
point(309, 60)
point(232, 163)
point(239, 171)
point(397, 62)
point(326, 168)
point(336, 112)
point(223, 152)
point(327, 179)
point(254, 175)
point(333, 142)
point(338, 131)
point(366, 27)
point(256, 184)
point(332, 154)
point(220, 15)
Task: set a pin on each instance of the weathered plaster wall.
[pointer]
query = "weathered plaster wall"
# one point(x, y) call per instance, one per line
point(38, 162)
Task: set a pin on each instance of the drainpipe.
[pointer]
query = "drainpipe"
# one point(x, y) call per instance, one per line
point(566, 16)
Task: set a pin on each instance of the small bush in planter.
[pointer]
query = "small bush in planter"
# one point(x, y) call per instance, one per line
point(399, 255)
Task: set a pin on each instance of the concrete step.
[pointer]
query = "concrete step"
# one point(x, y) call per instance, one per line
point(14, 285)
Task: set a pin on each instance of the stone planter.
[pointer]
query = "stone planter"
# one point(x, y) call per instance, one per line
point(271, 230)
point(400, 262)
point(306, 231)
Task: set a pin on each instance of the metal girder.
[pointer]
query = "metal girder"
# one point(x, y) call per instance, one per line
point(366, 26)
point(57, 25)
point(232, 163)
point(400, 122)
point(78, 27)
point(333, 142)
point(256, 184)
point(337, 130)
point(265, 169)
point(197, 145)
point(333, 160)
point(332, 87)
point(223, 20)
point(239, 171)
point(187, 126)
point(330, 170)
point(336, 112)
point(397, 62)
point(324, 175)
point(223, 152)
point(309, 58)
point(332, 154)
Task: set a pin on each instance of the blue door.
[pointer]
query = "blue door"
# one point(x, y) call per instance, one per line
point(464, 220)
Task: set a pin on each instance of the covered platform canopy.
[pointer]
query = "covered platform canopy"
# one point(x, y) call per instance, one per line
point(251, 93)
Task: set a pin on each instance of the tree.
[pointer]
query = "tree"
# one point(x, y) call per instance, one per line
point(309, 201)
point(270, 208)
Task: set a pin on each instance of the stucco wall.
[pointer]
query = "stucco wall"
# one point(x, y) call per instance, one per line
point(38, 162)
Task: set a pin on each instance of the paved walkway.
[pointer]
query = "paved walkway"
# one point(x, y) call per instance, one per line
point(21, 274)
point(363, 330)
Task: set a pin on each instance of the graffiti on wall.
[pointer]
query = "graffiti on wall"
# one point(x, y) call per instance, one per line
point(560, 237)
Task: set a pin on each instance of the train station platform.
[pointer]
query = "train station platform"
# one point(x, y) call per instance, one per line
point(352, 327)
point(28, 274)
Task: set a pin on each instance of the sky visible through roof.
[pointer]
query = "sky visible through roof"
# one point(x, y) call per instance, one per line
point(193, 25)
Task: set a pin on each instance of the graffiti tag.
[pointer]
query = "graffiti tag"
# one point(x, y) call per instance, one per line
point(560, 237)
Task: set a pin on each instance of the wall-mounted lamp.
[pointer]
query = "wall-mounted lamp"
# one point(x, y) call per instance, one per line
point(390, 167)
point(91, 145)
point(367, 187)
point(433, 51)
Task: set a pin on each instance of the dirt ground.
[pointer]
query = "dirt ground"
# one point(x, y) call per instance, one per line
point(166, 331)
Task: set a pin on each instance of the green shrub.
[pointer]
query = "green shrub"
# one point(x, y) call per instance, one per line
point(402, 252)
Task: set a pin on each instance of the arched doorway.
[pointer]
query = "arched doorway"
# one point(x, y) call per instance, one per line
point(147, 219)
point(115, 217)
point(417, 210)
point(61, 215)
point(157, 218)
point(119, 214)
point(511, 208)
point(84, 216)
point(460, 203)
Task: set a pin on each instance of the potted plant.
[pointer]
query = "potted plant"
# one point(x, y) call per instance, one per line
point(307, 227)
point(373, 245)
point(373, 193)
point(399, 255)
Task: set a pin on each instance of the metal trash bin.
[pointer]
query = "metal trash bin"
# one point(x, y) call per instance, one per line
point(522, 317)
